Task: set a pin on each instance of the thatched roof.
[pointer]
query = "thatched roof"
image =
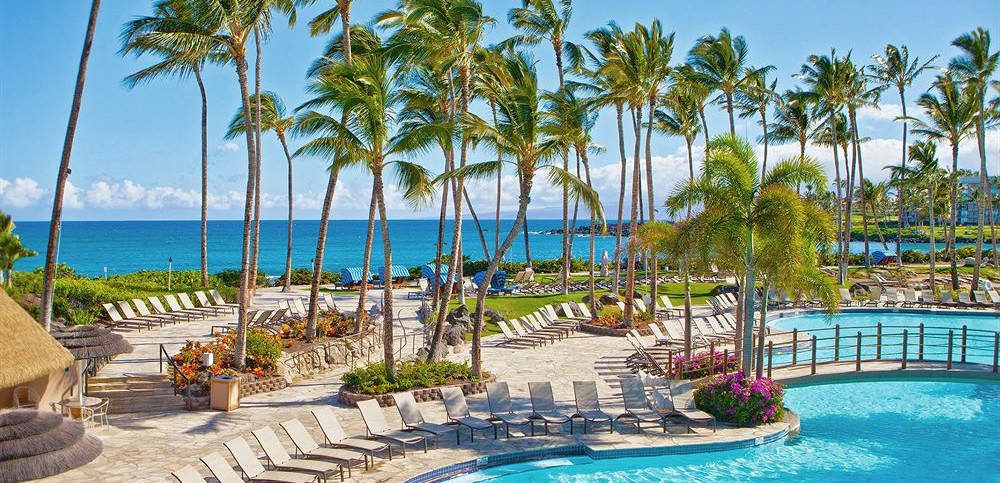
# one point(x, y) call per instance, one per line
point(91, 341)
point(36, 444)
point(28, 352)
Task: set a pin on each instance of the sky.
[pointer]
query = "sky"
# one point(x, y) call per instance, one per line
point(137, 152)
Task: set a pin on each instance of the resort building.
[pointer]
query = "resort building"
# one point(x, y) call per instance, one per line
point(968, 203)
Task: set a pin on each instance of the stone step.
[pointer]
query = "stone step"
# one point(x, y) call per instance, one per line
point(136, 378)
point(131, 393)
point(122, 386)
point(146, 403)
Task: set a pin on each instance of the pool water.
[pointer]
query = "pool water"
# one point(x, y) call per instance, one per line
point(982, 327)
point(854, 432)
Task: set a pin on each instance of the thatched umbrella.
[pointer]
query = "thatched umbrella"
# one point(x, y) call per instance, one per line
point(90, 342)
point(35, 444)
point(27, 352)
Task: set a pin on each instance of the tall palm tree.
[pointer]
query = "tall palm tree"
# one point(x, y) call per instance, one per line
point(180, 65)
point(746, 218)
point(11, 249)
point(894, 69)
point(273, 118)
point(951, 117)
point(975, 66)
point(543, 20)
point(720, 64)
point(319, 25)
point(928, 175)
point(859, 95)
point(699, 92)
point(369, 91)
point(226, 26)
point(754, 97)
point(827, 78)
point(792, 119)
point(875, 196)
point(55, 223)
point(519, 137)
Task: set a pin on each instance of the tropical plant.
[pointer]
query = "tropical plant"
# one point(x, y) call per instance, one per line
point(11, 249)
point(737, 398)
point(55, 222)
point(753, 98)
point(273, 118)
point(792, 119)
point(894, 69)
point(859, 95)
point(927, 175)
point(719, 64)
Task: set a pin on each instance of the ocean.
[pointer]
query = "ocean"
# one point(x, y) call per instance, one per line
point(91, 247)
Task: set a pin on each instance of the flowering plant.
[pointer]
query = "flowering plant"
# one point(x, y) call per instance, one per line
point(702, 364)
point(743, 400)
point(615, 320)
point(263, 350)
point(330, 324)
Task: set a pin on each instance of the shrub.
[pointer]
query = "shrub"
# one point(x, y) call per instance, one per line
point(702, 364)
point(615, 320)
point(329, 324)
point(913, 256)
point(373, 379)
point(303, 276)
point(263, 349)
point(231, 278)
point(263, 352)
point(736, 398)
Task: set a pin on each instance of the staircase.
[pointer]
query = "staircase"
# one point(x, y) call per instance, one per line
point(135, 394)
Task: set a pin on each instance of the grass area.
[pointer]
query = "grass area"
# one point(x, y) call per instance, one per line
point(346, 291)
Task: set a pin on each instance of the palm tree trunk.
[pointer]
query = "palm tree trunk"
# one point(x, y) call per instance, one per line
point(633, 222)
point(479, 228)
point(763, 125)
point(576, 210)
point(748, 294)
point(984, 189)
point(255, 247)
point(761, 331)
point(856, 141)
point(288, 252)
point(477, 318)
point(55, 224)
point(366, 263)
point(496, 232)
point(932, 253)
point(204, 175)
point(729, 110)
point(954, 216)
point(438, 288)
point(850, 170)
point(841, 269)
point(621, 198)
point(591, 283)
point(527, 241)
point(652, 207)
point(878, 230)
point(564, 275)
point(388, 342)
point(899, 194)
point(239, 347)
point(704, 126)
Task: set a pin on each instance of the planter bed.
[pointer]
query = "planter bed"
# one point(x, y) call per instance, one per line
point(610, 331)
point(421, 394)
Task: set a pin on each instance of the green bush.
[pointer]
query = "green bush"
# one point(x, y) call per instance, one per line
point(373, 379)
point(303, 276)
point(263, 349)
point(231, 278)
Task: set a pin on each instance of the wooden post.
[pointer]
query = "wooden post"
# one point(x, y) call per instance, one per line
point(795, 345)
point(857, 354)
point(964, 340)
point(770, 350)
point(920, 344)
point(996, 350)
point(951, 337)
point(725, 356)
point(813, 364)
point(904, 350)
point(711, 356)
point(836, 342)
point(878, 341)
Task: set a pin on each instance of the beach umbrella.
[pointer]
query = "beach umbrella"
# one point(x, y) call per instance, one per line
point(90, 342)
point(604, 264)
point(36, 444)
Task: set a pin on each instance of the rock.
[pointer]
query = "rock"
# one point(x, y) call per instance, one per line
point(459, 316)
point(454, 335)
point(424, 313)
point(586, 301)
point(493, 316)
point(609, 299)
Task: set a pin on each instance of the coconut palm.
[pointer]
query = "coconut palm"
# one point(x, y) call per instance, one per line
point(926, 174)
point(540, 20)
point(226, 26)
point(747, 219)
point(699, 92)
point(827, 78)
point(792, 119)
point(875, 195)
point(719, 64)
point(951, 115)
point(754, 97)
point(369, 91)
point(11, 249)
point(519, 137)
point(859, 95)
point(55, 222)
point(180, 65)
point(894, 69)
point(273, 118)
point(975, 66)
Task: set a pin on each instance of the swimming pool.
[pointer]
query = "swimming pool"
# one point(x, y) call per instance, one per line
point(865, 431)
point(980, 336)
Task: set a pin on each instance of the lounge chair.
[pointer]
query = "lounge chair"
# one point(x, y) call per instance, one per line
point(891, 297)
point(909, 297)
point(414, 420)
point(118, 320)
point(525, 334)
point(927, 298)
point(667, 307)
point(188, 474)
point(542, 319)
point(541, 324)
point(660, 338)
point(636, 405)
point(994, 297)
point(251, 467)
point(219, 301)
point(330, 303)
point(175, 306)
point(206, 302)
point(188, 304)
point(498, 395)
point(336, 437)
point(874, 297)
point(129, 314)
point(981, 299)
point(159, 308)
point(701, 325)
point(947, 300)
point(224, 473)
point(588, 407)
point(458, 412)
point(543, 406)
point(425, 290)
point(682, 397)
point(379, 429)
point(279, 457)
point(965, 301)
point(845, 297)
point(509, 337)
point(143, 309)
point(305, 444)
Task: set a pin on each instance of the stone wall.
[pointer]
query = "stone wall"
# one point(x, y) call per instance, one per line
point(349, 398)
point(323, 356)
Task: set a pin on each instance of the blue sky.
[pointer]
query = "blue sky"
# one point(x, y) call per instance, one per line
point(136, 154)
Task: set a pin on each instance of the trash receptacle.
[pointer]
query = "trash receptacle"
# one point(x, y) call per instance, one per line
point(225, 393)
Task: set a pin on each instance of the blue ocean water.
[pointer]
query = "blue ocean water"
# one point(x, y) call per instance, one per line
point(127, 246)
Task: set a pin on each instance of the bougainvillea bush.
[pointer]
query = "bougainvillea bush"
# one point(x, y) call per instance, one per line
point(702, 364)
point(746, 401)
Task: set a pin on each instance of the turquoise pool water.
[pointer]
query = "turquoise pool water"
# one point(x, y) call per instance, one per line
point(870, 432)
point(981, 328)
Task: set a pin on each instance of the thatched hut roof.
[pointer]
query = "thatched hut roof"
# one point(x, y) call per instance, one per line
point(36, 444)
point(28, 352)
point(91, 341)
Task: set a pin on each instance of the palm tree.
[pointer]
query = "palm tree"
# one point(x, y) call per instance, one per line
point(226, 26)
point(951, 115)
point(754, 99)
point(975, 66)
point(543, 20)
point(369, 91)
point(180, 65)
point(792, 120)
point(858, 95)
point(699, 92)
point(273, 118)
point(321, 25)
point(11, 249)
point(928, 175)
point(747, 219)
point(874, 196)
point(894, 69)
point(719, 64)
point(518, 137)
point(55, 223)
point(827, 78)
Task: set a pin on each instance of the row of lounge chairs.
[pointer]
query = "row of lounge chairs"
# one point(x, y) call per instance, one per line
point(543, 326)
point(665, 309)
point(297, 305)
point(907, 297)
point(179, 308)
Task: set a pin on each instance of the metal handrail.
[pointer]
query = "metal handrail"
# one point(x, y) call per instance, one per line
point(177, 372)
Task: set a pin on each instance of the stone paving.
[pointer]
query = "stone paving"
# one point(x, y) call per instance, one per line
point(145, 447)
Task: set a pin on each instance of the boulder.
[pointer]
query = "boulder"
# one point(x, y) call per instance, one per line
point(609, 299)
point(586, 301)
point(454, 335)
point(459, 316)
point(493, 316)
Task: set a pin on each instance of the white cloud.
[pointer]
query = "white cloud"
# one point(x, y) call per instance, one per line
point(20, 193)
point(227, 146)
point(71, 197)
point(884, 112)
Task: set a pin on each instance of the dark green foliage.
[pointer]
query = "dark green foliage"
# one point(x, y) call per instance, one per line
point(409, 375)
point(303, 276)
